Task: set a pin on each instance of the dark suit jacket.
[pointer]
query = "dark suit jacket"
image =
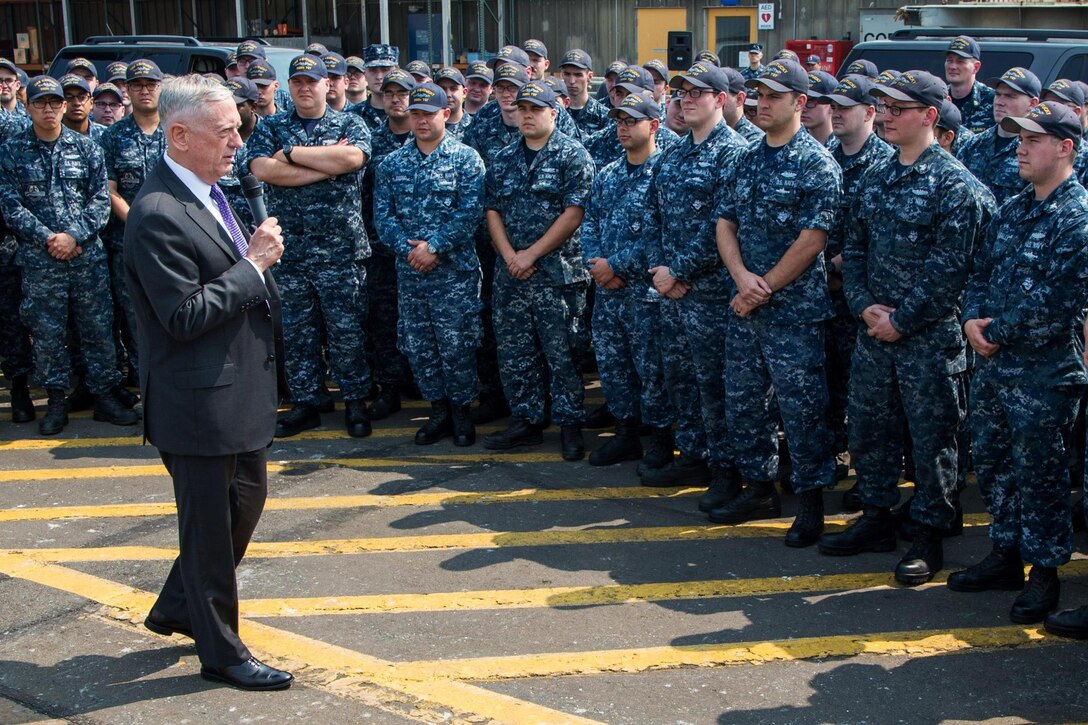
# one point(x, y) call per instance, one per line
point(207, 329)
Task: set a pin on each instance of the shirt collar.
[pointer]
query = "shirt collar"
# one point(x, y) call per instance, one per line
point(201, 190)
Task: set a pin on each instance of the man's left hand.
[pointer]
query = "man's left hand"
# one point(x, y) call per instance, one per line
point(420, 258)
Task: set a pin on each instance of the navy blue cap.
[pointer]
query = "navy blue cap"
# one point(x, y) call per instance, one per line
point(316, 49)
point(449, 73)
point(886, 77)
point(309, 66)
point(558, 86)
point(512, 73)
point(813, 59)
point(42, 86)
point(250, 49)
point(243, 90)
point(509, 54)
point(232, 59)
point(852, 90)
point(71, 80)
point(24, 79)
point(143, 69)
point(577, 58)
point(708, 56)
point(427, 97)
point(949, 117)
point(335, 64)
point(537, 47)
point(537, 93)
point(820, 83)
point(635, 78)
point(615, 68)
point(755, 48)
point(734, 78)
point(702, 75)
point(107, 87)
point(656, 66)
point(380, 55)
point(965, 46)
point(638, 105)
point(116, 71)
point(355, 62)
point(419, 68)
point(215, 77)
point(782, 76)
point(1051, 118)
point(399, 77)
point(862, 67)
point(1067, 90)
point(10, 65)
point(261, 72)
point(786, 54)
point(479, 69)
point(915, 85)
point(1020, 80)
point(83, 63)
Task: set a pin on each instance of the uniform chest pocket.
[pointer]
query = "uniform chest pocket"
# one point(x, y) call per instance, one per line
point(699, 189)
point(72, 172)
point(912, 231)
point(783, 197)
point(546, 182)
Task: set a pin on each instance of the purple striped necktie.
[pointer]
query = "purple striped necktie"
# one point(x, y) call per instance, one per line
point(236, 235)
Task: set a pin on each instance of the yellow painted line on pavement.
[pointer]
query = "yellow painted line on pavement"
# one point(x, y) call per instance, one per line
point(305, 656)
point(443, 542)
point(909, 644)
point(527, 495)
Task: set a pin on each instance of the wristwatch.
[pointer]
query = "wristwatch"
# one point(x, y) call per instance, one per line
point(287, 150)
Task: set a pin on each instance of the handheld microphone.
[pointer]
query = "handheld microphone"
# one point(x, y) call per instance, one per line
point(253, 191)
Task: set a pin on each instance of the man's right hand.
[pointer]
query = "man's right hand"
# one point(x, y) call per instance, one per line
point(266, 244)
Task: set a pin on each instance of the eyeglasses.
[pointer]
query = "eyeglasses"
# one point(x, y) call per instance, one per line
point(41, 103)
point(396, 95)
point(693, 93)
point(896, 111)
point(8, 81)
point(74, 98)
point(103, 105)
point(630, 121)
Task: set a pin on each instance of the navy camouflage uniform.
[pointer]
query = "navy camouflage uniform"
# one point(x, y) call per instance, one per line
point(15, 349)
point(373, 117)
point(457, 130)
point(563, 120)
point(627, 321)
point(437, 198)
point(591, 118)
point(604, 146)
point(535, 319)
point(777, 352)
point(47, 189)
point(750, 73)
point(320, 275)
point(842, 329)
point(996, 168)
point(978, 108)
point(684, 193)
point(1031, 277)
point(908, 246)
point(749, 130)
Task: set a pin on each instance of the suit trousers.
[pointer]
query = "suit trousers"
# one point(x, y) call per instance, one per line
point(220, 500)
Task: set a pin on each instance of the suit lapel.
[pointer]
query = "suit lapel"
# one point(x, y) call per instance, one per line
point(198, 213)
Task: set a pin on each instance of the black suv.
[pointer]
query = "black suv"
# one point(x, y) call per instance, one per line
point(174, 54)
point(1049, 54)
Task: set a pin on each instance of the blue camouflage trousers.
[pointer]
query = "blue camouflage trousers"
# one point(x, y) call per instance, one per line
point(533, 330)
point(842, 332)
point(1021, 465)
point(330, 298)
point(681, 384)
point(438, 331)
point(48, 295)
point(702, 325)
point(380, 312)
point(896, 384)
point(626, 339)
point(765, 363)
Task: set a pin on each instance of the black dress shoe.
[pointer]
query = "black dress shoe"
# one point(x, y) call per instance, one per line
point(1001, 570)
point(438, 426)
point(165, 627)
point(808, 525)
point(1039, 598)
point(572, 442)
point(851, 500)
point(874, 530)
point(1068, 623)
point(682, 471)
point(758, 500)
point(520, 433)
point(464, 432)
point(387, 403)
point(250, 675)
point(600, 417)
point(923, 559)
point(724, 487)
point(296, 420)
point(357, 419)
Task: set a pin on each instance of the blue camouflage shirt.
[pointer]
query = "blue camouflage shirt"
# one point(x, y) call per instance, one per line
point(978, 108)
point(130, 155)
point(1031, 277)
point(995, 167)
point(531, 198)
point(437, 198)
point(457, 130)
point(749, 130)
point(322, 221)
point(591, 118)
point(372, 116)
point(772, 195)
point(52, 188)
point(489, 135)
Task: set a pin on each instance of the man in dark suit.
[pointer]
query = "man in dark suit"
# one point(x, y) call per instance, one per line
point(207, 319)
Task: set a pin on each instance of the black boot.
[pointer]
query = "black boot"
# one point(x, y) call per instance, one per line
point(909, 528)
point(492, 407)
point(661, 451)
point(464, 432)
point(758, 500)
point(682, 471)
point(874, 530)
point(923, 559)
point(56, 415)
point(623, 446)
point(108, 409)
point(438, 426)
point(1002, 569)
point(572, 442)
point(1039, 598)
point(724, 487)
point(600, 417)
point(298, 419)
point(325, 402)
point(519, 433)
point(851, 500)
point(126, 397)
point(357, 419)
point(80, 399)
point(809, 522)
point(1069, 623)
point(387, 403)
point(22, 407)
